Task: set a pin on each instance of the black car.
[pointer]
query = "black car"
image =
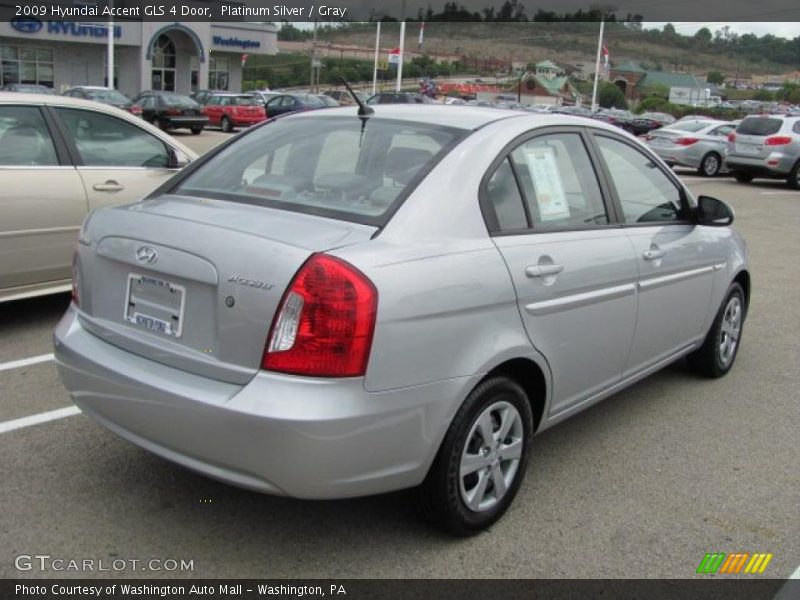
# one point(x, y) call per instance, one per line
point(399, 98)
point(27, 88)
point(168, 110)
point(286, 103)
point(104, 95)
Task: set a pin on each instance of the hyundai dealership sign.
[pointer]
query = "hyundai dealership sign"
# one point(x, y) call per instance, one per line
point(32, 25)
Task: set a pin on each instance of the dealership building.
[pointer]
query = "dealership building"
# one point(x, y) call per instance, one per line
point(181, 57)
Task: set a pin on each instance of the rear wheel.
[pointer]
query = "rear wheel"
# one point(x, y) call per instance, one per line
point(710, 165)
point(743, 177)
point(226, 125)
point(715, 357)
point(482, 460)
point(197, 130)
point(793, 180)
point(162, 125)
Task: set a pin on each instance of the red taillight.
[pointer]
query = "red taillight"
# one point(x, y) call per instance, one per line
point(731, 137)
point(325, 322)
point(649, 137)
point(777, 140)
point(686, 141)
point(174, 112)
point(135, 110)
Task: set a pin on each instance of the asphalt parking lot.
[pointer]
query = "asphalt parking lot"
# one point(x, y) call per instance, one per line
point(641, 485)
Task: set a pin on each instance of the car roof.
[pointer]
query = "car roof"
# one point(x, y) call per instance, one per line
point(90, 87)
point(458, 116)
point(69, 102)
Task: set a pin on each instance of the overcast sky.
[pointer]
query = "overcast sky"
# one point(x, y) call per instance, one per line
point(787, 29)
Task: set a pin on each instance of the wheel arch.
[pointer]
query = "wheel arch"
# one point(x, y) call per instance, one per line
point(743, 279)
point(528, 374)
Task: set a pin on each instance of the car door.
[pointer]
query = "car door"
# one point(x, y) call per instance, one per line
point(42, 201)
point(213, 110)
point(572, 267)
point(118, 161)
point(675, 258)
point(275, 106)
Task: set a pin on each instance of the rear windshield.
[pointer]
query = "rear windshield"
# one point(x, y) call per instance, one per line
point(690, 126)
point(107, 96)
point(246, 101)
point(178, 100)
point(759, 126)
point(329, 166)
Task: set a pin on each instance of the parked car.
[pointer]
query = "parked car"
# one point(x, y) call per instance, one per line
point(344, 97)
point(168, 110)
point(701, 145)
point(766, 146)
point(424, 289)
point(327, 100)
point(27, 88)
point(104, 95)
point(287, 103)
point(61, 158)
point(264, 96)
point(229, 111)
point(663, 119)
point(399, 98)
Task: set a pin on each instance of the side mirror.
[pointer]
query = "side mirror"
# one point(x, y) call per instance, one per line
point(713, 212)
point(177, 159)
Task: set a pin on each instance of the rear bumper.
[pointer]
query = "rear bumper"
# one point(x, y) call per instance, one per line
point(300, 437)
point(247, 121)
point(775, 165)
point(186, 121)
point(683, 156)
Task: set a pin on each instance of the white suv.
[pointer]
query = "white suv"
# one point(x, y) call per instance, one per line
point(766, 146)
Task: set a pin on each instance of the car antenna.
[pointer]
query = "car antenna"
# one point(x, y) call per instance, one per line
point(363, 110)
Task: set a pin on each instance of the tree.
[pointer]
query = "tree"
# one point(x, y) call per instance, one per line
point(715, 77)
point(703, 38)
point(764, 96)
point(610, 96)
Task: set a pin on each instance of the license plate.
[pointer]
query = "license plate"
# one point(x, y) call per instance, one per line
point(155, 304)
point(748, 149)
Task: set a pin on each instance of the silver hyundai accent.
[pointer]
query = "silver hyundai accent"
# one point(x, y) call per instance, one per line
point(352, 301)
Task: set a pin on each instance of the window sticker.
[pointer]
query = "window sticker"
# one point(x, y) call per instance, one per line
point(546, 177)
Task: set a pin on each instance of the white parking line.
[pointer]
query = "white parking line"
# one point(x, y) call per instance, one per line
point(778, 193)
point(25, 362)
point(52, 415)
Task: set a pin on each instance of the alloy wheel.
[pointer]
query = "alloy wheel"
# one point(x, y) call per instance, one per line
point(491, 456)
point(730, 330)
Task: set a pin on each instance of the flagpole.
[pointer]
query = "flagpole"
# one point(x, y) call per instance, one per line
point(400, 58)
point(377, 52)
point(597, 66)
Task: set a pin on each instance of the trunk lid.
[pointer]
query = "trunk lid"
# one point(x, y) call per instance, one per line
point(195, 283)
point(752, 133)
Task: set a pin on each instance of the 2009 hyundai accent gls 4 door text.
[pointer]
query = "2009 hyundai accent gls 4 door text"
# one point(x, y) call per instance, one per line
point(337, 304)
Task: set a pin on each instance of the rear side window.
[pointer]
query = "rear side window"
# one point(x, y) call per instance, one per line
point(759, 126)
point(689, 126)
point(24, 138)
point(505, 199)
point(329, 166)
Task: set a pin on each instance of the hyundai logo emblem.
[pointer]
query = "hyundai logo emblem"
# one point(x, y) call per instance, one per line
point(147, 255)
point(26, 24)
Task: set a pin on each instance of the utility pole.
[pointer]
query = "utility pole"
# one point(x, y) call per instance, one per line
point(110, 51)
point(314, 56)
point(400, 59)
point(597, 65)
point(377, 52)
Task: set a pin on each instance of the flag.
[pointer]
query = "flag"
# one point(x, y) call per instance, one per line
point(421, 33)
point(244, 58)
point(605, 56)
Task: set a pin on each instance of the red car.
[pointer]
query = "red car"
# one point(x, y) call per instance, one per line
point(233, 110)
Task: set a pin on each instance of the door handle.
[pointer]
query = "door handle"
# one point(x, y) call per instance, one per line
point(108, 186)
point(653, 254)
point(543, 270)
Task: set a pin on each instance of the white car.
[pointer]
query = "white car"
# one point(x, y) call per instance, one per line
point(61, 158)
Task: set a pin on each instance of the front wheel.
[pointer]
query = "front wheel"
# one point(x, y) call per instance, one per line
point(197, 130)
point(226, 125)
point(715, 357)
point(482, 460)
point(162, 125)
point(710, 165)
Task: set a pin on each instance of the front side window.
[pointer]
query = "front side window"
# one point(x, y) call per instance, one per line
point(24, 138)
point(559, 182)
point(103, 140)
point(645, 192)
point(326, 165)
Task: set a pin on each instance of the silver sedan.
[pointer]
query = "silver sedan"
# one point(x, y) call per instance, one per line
point(353, 301)
point(699, 144)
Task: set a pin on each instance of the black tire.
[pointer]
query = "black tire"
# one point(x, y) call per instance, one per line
point(711, 165)
point(793, 180)
point(708, 360)
point(197, 130)
point(440, 496)
point(742, 177)
point(160, 124)
point(226, 125)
